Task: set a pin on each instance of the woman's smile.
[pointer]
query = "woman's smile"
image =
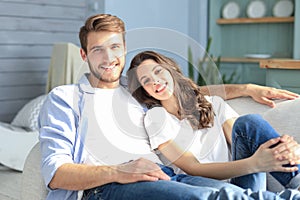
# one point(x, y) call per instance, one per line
point(160, 88)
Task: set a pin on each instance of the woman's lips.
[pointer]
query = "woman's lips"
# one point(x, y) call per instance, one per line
point(160, 88)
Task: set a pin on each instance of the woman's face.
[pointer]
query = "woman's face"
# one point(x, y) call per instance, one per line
point(155, 79)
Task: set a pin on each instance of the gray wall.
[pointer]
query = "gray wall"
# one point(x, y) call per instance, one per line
point(30, 27)
point(27, 32)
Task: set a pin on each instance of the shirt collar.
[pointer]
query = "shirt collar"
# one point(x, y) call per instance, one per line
point(85, 85)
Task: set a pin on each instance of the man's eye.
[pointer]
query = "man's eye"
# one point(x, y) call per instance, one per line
point(115, 46)
point(97, 50)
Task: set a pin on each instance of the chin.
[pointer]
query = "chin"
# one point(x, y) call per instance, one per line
point(110, 79)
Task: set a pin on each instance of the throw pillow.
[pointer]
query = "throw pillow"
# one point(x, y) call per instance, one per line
point(27, 117)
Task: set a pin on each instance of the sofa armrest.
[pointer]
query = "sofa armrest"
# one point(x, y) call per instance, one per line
point(246, 105)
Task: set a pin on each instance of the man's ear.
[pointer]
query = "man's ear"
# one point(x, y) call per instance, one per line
point(83, 54)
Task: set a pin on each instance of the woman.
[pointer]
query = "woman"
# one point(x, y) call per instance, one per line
point(193, 132)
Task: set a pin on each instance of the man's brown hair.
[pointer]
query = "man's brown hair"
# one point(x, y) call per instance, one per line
point(100, 22)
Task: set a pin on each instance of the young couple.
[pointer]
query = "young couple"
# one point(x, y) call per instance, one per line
point(95, 146)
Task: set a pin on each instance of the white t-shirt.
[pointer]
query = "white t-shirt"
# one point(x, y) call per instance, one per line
point(208, 145)
point(117, 126)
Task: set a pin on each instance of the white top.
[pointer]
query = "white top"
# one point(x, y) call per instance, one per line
point(82, 124)
point(120, 130)
point(208, 145)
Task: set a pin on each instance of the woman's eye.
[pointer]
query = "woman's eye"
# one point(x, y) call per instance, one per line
point(146, 81)
point(157, 71)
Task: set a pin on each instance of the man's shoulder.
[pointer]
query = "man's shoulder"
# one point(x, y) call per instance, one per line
point(64, 94)
point(63, 90)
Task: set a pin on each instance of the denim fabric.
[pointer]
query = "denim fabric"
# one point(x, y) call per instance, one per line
point(249, 132)
point(181, 187)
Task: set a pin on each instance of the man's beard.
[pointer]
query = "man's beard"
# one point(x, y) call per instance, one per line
point(109, 79)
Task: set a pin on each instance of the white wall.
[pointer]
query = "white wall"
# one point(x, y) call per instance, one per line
point(172, 14)
point(177, 22)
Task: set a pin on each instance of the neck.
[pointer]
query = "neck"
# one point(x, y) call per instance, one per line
point(171, 105)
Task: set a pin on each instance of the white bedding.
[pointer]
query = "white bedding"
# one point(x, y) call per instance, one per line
point(15, 145)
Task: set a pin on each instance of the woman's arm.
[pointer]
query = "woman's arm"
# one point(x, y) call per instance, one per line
point(288, 149)
point(265, 159)
point(227, 129)
point(261, 94)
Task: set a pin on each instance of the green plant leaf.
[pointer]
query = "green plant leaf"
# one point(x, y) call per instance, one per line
point(206, 68)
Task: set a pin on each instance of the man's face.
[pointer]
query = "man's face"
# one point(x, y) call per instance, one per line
point(106, 56)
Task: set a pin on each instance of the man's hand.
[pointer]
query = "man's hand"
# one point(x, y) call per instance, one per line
point(261, 94)
point(266, 95)
point(140, 170)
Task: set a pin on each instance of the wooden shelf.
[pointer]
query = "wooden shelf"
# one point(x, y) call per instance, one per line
point(256, 20)
point(241, 60)
point(280, 64)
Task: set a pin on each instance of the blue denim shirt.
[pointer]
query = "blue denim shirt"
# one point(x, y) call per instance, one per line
point(59, 131)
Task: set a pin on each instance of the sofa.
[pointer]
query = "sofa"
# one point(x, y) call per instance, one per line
point(284, 118)
point(18, 137)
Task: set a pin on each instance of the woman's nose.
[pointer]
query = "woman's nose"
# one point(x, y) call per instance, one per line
point(156, 81)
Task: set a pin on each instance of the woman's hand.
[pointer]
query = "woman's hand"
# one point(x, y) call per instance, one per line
point(290, 149)
point(270, 158)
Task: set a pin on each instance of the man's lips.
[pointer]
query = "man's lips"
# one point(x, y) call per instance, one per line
point(108, 67)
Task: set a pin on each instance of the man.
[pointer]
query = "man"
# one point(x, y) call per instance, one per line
point(92, 139)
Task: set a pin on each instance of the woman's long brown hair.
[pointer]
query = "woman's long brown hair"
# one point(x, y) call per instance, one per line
point(192, 103)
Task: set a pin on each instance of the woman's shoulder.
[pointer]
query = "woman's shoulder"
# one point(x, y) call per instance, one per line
point(160, 116)
point(156, 112)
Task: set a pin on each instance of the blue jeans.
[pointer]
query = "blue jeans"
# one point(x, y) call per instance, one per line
point(181, 187)
point(249, 132)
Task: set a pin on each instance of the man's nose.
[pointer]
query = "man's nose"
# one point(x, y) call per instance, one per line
point(109, 56)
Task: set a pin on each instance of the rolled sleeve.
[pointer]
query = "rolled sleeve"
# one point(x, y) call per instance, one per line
point(160, 126)
point(58, 121)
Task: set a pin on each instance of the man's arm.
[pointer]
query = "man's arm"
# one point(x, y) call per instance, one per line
point(261, 94)
point(71, 176)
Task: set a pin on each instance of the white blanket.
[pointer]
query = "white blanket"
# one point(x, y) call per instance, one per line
point(15, 145)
